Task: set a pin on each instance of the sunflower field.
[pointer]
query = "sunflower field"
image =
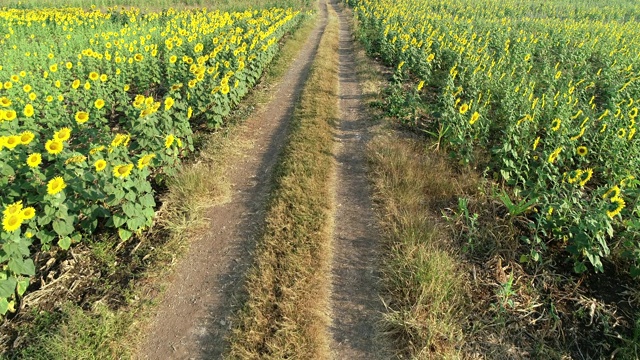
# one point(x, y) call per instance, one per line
point(94, 104)
point(544, 95)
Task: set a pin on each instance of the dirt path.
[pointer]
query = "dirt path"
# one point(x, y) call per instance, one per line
point(355, 300)
point(193, 317)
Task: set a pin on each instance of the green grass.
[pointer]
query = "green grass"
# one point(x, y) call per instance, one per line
point(284, 315)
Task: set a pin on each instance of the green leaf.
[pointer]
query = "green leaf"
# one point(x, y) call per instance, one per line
point(7, 287)
point(64, 243)
point(4, 306)
point(62, 228)
point(22, 286)
point(118, 220)
point(130, 209)
point(23, 267)
point(124, 234)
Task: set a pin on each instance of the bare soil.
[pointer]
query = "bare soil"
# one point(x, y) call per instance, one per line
point(194, 314)
point(356, 304)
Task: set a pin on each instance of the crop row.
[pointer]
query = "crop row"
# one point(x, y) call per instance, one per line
point(542, 96)
point(94, 105)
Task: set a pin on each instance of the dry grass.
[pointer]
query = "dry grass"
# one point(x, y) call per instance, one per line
point(285, 314)
point(421, 271)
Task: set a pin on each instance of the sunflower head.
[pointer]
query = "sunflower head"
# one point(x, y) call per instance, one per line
point(582, 150)
point(54, 147)
point(55, 185)
point(63, 134)
point(82, 117)
point(463, 108)
point(34, 160)
point(100, 165)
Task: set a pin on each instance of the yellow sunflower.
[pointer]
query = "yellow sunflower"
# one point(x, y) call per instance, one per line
point(100, 165)
point(12, 141)
point(122, 171)
point(34, 160)
point(463, 108)
point(54, 147)
point(12, 222)
point(168, 103)
point(63, 134)
point(28, 110)
point(99, 104)
point(168, 141)
point(55, 185)
point(474, 118)
point(82, 117)
point(28, 213)
point(145, 160)
point(582, 150)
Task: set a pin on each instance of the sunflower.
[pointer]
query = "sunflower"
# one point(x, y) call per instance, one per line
point(69, 65)
point(118, 140)
point(94, 76)
point(12, 141)
point(100, 165)
point(5, 102)
point(54, 147)
point(126, 87)
point(33, 96)
point(12, 222)
point(619, 204)
point(574, 176)
point(27, 88)
point(474, 118)
point(63, 134)
point(555, 124)
point(122, 171)
point(189, 112)
point(12, 209)
point(554, 155)
point(612, 193)
point(633, 113)
point(28, 110)
point(55, 185)
point(536, 142)
point(173, 59)
point(582, 150)
point(145, 160)
point(26, 137)
point(53, 68)
point(75, 84)
point(224, 89)
point(586, 176)
point(622, 133)
point(138, 57)
point(28, 213)
point(10, 115)
point(87, 85)
point(168, 141)
point(168, 103)
point(99, 104)
point(34, 160)
point(430, 57)
point(82, 117)
point(463, 108)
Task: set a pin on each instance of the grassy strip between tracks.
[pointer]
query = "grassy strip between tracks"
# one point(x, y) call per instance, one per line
point(285, 314)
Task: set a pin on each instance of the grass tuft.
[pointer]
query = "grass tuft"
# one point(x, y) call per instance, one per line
point(421, 271)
